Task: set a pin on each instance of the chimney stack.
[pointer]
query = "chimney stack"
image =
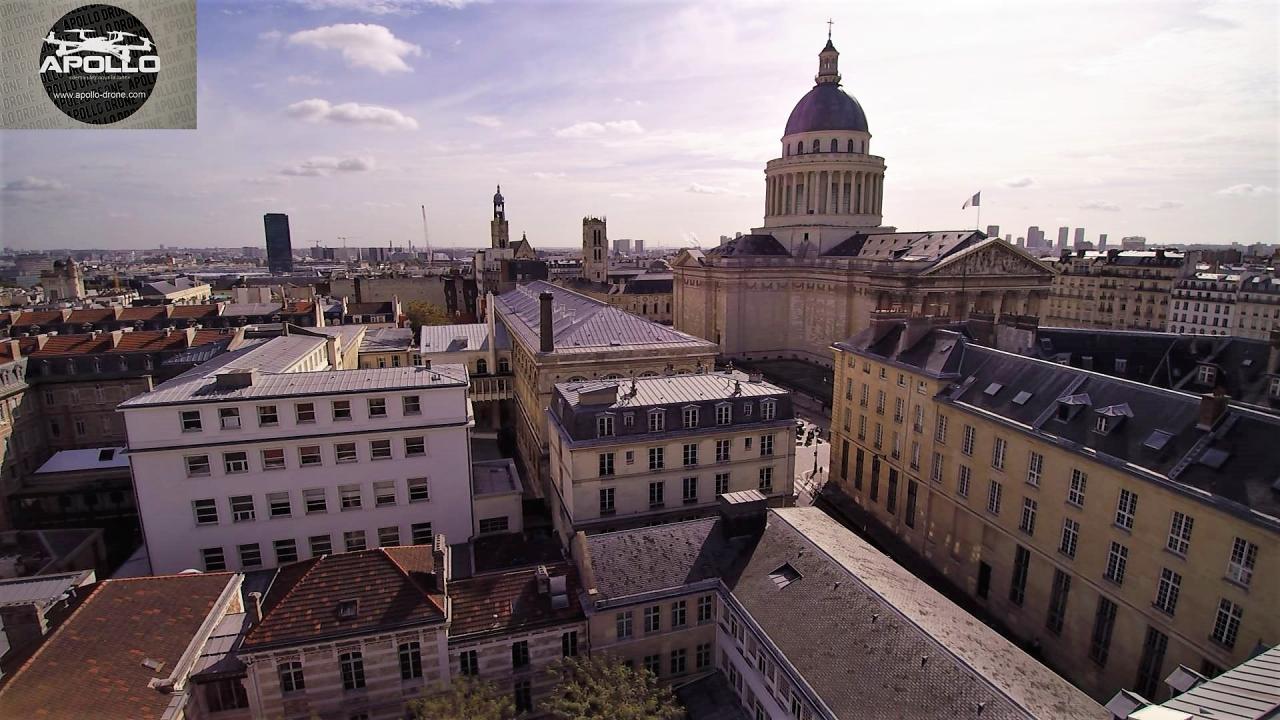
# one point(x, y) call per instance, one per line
point(547, 337)
point(440, 563)
point(743, 513)
point(254, 608)
point(1212, 406)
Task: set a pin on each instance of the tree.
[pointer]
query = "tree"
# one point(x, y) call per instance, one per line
point(602, 688)
point(424, 313)
point(466, 699)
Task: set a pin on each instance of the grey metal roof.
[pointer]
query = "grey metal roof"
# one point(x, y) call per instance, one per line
point(924, 246)
point(1249, 691)
point(105, 458)
point(583, 324)
point(468, 337)
point(250, 309)
point(673, 389)
point(387, 340)
point(40, 588)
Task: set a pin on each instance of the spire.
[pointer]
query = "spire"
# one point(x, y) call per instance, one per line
point(828, 61)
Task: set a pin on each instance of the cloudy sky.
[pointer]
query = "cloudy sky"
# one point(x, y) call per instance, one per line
point(1131, 118)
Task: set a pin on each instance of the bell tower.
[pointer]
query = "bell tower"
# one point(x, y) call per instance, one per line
point(499, 233)
point(595, 250)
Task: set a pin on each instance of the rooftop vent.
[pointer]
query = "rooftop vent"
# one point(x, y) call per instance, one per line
point(784, 575)
point(1021, 398)
point(1158, 439)
point(1214, 458)
point(993, 388)
point(152, 664)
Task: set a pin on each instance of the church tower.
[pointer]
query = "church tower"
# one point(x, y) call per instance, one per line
point(595, 250)
point(499, 233)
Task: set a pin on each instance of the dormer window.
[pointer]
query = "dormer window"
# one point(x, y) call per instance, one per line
point(604, 426)
point(1069, 405)
point(347, 609)
point(657, 421)
point(1274, 391)
point(724, 414)
point(1111, 416)
point(1206, 375)
point(689, 417)
point(1101, 425)
point(768, 409)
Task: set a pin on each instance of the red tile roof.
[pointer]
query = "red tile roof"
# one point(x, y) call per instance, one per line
point(30, 317)
point(134, 314)
point(136, 341)
point(505, 602)
point(194, 311)
point(300, 306)
point(91, 666)
point(91, 316)
point(393, 587)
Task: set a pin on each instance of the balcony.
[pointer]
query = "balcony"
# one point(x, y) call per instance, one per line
point(495, 387)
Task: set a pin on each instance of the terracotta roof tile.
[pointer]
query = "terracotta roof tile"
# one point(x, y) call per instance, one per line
point(194, 311)
point(91, 666)
point(509, 601)
point(38, 318)
point(146, 314)
point(91, 316)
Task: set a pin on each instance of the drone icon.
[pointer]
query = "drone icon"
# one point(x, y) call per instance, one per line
point(111, 45)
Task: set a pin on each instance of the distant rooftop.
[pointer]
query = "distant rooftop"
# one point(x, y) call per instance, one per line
point(469, 337)
point(86, 459)
point(494, 477)
point(385, 339)
point(725, 385)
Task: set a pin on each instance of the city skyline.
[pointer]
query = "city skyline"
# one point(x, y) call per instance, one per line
point(349, 119)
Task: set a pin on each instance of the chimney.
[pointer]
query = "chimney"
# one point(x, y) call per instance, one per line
point(191, 336)
point(115, 338)
point(882, 321)
point(914, 330)
point(440, 563)
point(1160, 254)
point(1112, 254)
point(1212, 406)
point(331, 350)
point(743, 513)
point(548, 342)
point(254, 608)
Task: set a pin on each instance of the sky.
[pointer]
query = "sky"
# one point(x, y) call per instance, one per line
point(1158, 119)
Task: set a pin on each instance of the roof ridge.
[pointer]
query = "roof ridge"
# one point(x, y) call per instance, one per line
point(315, 562)
point(409, 576)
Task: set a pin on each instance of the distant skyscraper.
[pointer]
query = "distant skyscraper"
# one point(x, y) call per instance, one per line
point(279, 247)
point(1102, 241)
point(1062, 237)
point(1022, 242)
point(993, 231)
point(639, 246)
point(1035, 237)
point(1008, 237)
point(622, 246)
point(1079, 241)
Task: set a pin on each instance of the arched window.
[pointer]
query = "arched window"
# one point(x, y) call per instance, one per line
point(482, 367)
point(799, 147)
point(850, 146)
point(815, 145)
point(835, 145)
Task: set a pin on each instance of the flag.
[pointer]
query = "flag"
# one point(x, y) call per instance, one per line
point(974, 201)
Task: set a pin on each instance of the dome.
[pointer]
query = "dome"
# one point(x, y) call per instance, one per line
point(826, 107)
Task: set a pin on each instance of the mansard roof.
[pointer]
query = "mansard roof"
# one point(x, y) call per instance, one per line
point(925, 246)
point(750, 245)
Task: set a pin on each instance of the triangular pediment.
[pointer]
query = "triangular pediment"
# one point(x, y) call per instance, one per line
point(990, 257)
point(689, 257)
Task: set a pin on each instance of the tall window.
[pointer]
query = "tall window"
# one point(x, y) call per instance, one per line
point(1075, 493)
point(1070, 538)
point(940, 430)
point(1151, 663)
point(910, 515)
point(1226, 626)
point(997, 454)
point(569, 643)
point(606, 464)
point(724, 414)
point(623, 625)
point(1179, 533)
point(1018, 580)
point(520, 654)
point(706, 611)
point(994, 493)
point(1035, 467)
point(690, 488)
point(604, 426)
point(652, 619)
point(768, 410)
point(1117, 559)
point(722, 483)
point(1126, 507)
point(1244, 555)
point(689, 417)
point(722, 450)
point(410, 660)
point(469, 663)
point(1168, 589)
point(1058, 601)
point(1027, 521)
point(606, 501)
point(352, 667)
point(656, 421)
point(656, 459)
point(963, 479)
point(766, 445)
point(1104, 622)
point(291, 678)
point(657, 491)
point(966, 443)
point(766, 479)
point(690, 454)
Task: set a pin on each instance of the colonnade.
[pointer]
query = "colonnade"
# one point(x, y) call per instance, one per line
point(823, 192)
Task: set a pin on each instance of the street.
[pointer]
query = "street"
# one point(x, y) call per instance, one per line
point(813, 461)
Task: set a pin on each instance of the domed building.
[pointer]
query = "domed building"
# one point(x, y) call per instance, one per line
point(823, 261)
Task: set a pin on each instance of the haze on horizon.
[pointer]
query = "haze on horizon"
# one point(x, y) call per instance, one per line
point(1154, 119)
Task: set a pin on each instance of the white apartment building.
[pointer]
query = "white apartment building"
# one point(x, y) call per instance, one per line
point(1204, 304)
point(272, 453)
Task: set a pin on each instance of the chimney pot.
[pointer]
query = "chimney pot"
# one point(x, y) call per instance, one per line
point(546, 336)
point(1212, 406)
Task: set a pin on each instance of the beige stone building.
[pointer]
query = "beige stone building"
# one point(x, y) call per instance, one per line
point(1115, 289)
point(1119, 529)
point(1258, 306)
point(823, 260)
point(634, 452)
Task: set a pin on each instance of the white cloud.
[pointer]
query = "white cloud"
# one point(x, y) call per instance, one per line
point(548, 175)
point(33, 184)
point(1246, 190)
point(362, 45)
point(1100, 205)
point(488, 121)
point(320, 110)
point(323, 165)
point(707, 189)
point(265, 180)
point(1018, 182)
point(595, 129)
point(383, 7)
point(1160, 205)
point(270, 35)
point(304, 80)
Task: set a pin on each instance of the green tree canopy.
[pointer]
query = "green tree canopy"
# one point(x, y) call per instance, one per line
point(466, 699)
point(424, 313)
point(602, 688)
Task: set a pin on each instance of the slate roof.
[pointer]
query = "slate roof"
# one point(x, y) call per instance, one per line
point(40, 589)
point(91, 666)
point(826, 107)
point(509, 602)
point(753, 244)
point(194, 312)
point(469, 337)
point(650, 283)
point(1249, 691)
point(394, 587)
point(583, 324)
point(724, 385)
point(922, 246)
point(662, 557)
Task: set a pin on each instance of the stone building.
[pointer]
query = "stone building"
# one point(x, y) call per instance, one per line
point(64, 282)
point(630, 453)
point(1258, 305)
point(1116, 289)
point(1119, 529)
point(822, 261)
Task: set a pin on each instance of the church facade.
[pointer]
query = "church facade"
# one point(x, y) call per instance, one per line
point(823, 260)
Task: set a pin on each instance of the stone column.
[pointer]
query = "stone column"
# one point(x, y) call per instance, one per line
point(820, 197)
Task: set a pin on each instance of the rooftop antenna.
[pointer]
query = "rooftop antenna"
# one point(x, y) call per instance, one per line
point(426, 238)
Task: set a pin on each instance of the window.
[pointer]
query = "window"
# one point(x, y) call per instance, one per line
point(380, 449)
point(1075, 493)
point(891, 499)
point(995, 492)
point(966, 444)
point(286, 551)
point(1226, 626)
point(415, 446)
point(352, 667)
point(1125, 509)
point(1244, 555)
point(880, 396)
point(898, 405)
point(768, 410)
point(1167, 591)
point(606, 464)
point(1070, 538)
point(190, 420)
point(569, 644)
point(1179, 534)
point(678, 661)
point(653, 664)
point(229, 418)
point(940, 430)
point(622, 625)
point(918, 424)
point(706, 610)
point(419, 490)
point(656, 459)
point(1035, 467)
point(1104, 622)
point(309, 456)
point(411, 405)
point(678, 614)
point(354, 540)
point(997, 454)
point(349, 497)
point(421, 534)
point(1027, 521)
point(689, 417)
point(469, 663)
point(341, 409)
point(197, 465)
point(225, 694)
point(235, 463)
point(766, 445)
point(604, 426)
point(702, 656)
point(606, 501)
point(1117, 559)
point(722, 450)
point(242, 508)
point(652, 619)
point(250, 555)
point(879, 437)
point(278, 505)
point(384, 493)
point(865, 398)
point(410, 660)
point(909, 518)
point(214, 560)
point(1206, 374)
point(1018, 581)
point(657, 421)
point(494, 524)
point(690, 490)
point(314, 500)
point(1057, 614)
point(962, 481)
point(305, 413)
point(1151, 662)
point(320, 545)
point(523, 696)
point(273, 459)
point(267, 416)
point(690, 454)
point(377, 407)
point(766, 479)
point(935, 472)
point(345, 452)
point(722, 483)
point(206, 511)
point(724, 414)
point(656, 492)
point(915, 455)
point(291, 679)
